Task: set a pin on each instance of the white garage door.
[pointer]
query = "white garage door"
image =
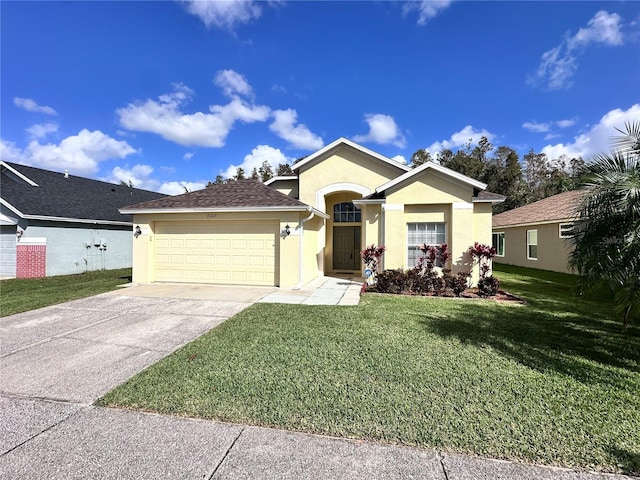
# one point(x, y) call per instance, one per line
point(216, 252)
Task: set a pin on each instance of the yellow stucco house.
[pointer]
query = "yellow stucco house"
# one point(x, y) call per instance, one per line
point(294, 229)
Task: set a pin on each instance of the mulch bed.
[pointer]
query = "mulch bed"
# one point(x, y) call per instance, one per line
point(469, 294)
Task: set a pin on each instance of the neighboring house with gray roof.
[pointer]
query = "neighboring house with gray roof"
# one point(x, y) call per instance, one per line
point(537, 235)
point(54, 223)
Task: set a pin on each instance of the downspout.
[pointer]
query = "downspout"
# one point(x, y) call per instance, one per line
point(301, 252)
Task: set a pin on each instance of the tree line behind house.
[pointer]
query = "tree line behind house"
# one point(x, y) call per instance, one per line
point(522, 181)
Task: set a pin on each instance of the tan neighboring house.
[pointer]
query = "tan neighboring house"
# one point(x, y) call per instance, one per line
point(293, 229)
point(536, 235)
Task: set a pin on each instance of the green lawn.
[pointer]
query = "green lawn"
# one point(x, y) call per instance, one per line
point(553, 381)
point(20, 295)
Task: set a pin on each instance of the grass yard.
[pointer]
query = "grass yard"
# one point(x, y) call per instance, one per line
point(24, 294)
point(553, 382)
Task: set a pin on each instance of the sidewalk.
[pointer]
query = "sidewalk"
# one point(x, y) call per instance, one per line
point(86, 442)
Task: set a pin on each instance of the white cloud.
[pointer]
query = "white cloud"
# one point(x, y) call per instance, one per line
point(399, 159)
point(140, 176)
point(536, 127)
point(188, 155)
point(551, 135)
point(224, 14)
point(233, 83)
point(80, 154)
point(41, 130)
point(177, 188)
point(427, 9)
point(566, 123)
point(164, 117)
point(559, 64)
point(597, 139)
point(383, 130)
point(11, 153)
point(460, 138)
point(30, 105)
point(602, 28)
point(254, 160)
point(299, 136)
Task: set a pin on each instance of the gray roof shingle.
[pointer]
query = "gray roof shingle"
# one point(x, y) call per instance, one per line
point(238, 194)
point(73, 197)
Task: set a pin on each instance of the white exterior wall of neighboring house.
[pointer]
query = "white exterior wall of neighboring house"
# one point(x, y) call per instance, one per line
point(67, 250)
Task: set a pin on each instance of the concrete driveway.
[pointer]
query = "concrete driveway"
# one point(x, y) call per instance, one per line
point(78, 351)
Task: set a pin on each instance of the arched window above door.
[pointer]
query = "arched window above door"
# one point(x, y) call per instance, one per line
point(345, 212)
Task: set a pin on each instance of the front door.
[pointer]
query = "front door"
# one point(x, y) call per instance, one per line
point(346, 248)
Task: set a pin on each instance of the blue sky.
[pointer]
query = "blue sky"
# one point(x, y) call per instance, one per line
point(167, 94)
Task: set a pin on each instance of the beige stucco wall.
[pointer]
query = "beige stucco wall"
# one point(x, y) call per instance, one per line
point(287, 250)
point(344, 166)
point(553, 251)
point(288, 187)
point(443, 201)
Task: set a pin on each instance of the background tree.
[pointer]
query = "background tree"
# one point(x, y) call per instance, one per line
point(607, 238)
point(503, 175)
point(419, 157)
point(284, 169)
point(239, 174)
point(265, 172)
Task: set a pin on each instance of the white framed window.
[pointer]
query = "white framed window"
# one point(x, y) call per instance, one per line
point(419, 234)
point(565, 230)
point(497, 240)
point(346, 212)
point(532, 244)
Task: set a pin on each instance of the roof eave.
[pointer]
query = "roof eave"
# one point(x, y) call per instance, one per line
point(75, 220)
point(541, 222)
point(353, 145)
point(282, 178)
point(301, 208)
point(17, 173)
point(493, 201)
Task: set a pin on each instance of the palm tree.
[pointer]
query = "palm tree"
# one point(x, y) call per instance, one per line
point(607, 235)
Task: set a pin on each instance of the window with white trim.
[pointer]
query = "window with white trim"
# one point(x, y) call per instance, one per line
point(346, 212)
point(419, 234)
point(497, 240)
point(565, 230)
point(532, 244)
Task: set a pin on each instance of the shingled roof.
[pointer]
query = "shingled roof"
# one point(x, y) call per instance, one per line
point(241, 194)
point(55, 197)
point(556, 208)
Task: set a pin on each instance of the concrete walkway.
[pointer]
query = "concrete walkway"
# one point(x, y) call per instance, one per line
point(56, 361)
point(322, 291)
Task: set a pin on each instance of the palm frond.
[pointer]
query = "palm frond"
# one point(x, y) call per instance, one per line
point(629, 141)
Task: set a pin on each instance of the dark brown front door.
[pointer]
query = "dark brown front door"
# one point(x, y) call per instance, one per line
point(346, 248)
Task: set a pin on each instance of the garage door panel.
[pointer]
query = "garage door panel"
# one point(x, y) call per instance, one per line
point(216, 252)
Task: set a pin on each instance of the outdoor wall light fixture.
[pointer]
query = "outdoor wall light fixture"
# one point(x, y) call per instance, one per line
point(137, 232)
point(286, 231)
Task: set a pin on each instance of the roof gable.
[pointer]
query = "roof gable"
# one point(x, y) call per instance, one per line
point(415, 173)
point(345, 143)
point(35, 193)
point(563, 206)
